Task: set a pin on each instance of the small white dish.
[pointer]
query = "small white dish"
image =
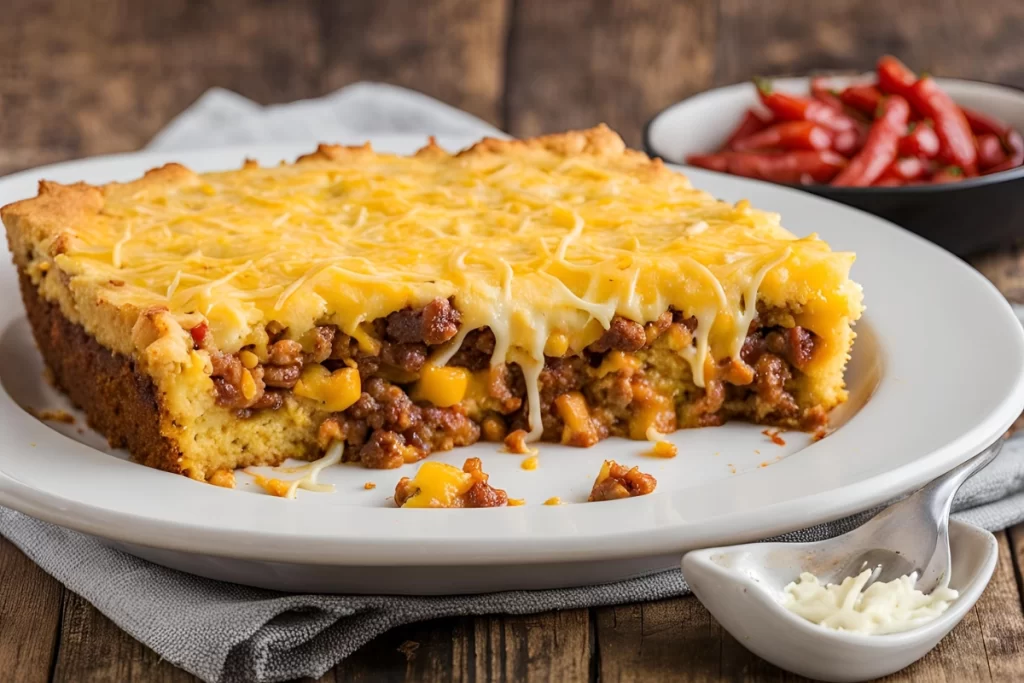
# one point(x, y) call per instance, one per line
point(742, 587)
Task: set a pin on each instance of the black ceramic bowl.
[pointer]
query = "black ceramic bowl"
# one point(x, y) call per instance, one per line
point(973, 215)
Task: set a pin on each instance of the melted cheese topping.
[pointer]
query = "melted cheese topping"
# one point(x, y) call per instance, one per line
point(542, 248)
point(882, 608)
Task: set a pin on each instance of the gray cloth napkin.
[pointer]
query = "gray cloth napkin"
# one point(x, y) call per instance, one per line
point(225, 632)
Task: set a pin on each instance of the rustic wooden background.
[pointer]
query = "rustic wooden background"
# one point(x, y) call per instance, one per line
point(84, 77)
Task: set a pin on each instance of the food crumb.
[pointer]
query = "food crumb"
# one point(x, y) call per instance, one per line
point(223, 478)
point(54, 416)
point(820, 434)
point(530, 463)
point(516, 502)
point(408, 648)
point(757, 452)
point(516, 443)
point(616, 481)
point(664, 449)
point(369, 486)
point(732, 468)
point(554, 500)
point(774, 435)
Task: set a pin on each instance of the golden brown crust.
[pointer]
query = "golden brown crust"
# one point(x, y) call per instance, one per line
point(118, 400)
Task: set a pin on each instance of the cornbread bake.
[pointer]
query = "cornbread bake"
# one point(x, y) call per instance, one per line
point(563, 287)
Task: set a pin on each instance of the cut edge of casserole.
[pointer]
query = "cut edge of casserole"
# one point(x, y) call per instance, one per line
point(561, 288)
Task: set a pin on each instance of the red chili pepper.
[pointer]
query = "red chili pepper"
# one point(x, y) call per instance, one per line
point(863, 98)
point(803, 166)
point(907, 168)
point(929, 100)
point(957, 142)
point(880, 148)
point(921, 141)
point(983, 124)
point(848, 142)
point(990, 151)
point(200, 333)
point(1015, 152)
point(948, 174)
point(752, 122)
point(787, 135)
point(821, 91)
point(894, 78)
point(794, 108)
point(889, 181)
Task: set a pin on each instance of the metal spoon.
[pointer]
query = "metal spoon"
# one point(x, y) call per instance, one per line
point(906, 537)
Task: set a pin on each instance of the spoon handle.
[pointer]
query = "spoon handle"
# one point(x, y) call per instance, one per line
point(937, 496)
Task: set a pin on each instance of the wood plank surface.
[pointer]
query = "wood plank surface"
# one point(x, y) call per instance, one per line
point(30, 602)
point(576, 63)
point(84, 77)
point(93, 648)
point(453, 50)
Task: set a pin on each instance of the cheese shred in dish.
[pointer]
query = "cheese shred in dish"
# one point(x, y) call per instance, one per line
point(881, 608)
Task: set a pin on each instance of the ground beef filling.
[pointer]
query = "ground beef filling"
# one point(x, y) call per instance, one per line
point(581, 402)
point(618, 481)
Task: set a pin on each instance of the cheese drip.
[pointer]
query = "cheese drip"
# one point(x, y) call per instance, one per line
point(530, 243)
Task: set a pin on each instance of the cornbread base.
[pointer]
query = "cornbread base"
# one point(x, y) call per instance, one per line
point(119, 402)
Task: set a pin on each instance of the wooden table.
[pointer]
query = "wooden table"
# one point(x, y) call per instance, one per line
point(83, 77)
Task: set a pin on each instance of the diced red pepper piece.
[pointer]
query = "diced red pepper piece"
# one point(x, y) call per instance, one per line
point(794, 108)
point(751, 123)
point(863, 98)
point(922, 142)
point(1015, 153)
point(787, 135)
point(200, 333)
point(803, 166)
point(880, 148)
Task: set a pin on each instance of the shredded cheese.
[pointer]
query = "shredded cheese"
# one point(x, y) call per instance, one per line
point(528, 242)
point(310, 473)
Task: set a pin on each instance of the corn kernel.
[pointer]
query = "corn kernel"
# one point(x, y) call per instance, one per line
point(248, 385)
point(557, 345)
point(335, 390)
point(530, 463)
point(249, 359)
point(444, 386)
